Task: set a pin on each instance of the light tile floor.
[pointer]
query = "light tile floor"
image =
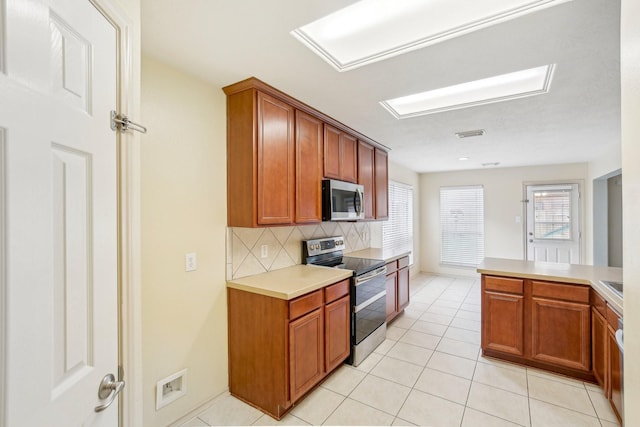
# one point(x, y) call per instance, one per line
point(430, 372)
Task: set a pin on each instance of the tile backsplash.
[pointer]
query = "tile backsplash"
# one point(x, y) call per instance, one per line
point(284, 245)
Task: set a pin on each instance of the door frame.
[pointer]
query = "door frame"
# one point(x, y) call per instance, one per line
point(129, 243)
point(581, 201)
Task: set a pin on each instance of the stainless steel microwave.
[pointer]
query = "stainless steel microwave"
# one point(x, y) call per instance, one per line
point(342, 201)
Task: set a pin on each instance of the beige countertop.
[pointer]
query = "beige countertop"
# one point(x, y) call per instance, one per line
point(291, 282)
point(567, 273)
point(387, 255)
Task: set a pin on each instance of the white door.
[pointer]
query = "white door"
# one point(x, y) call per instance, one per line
point(553, 229)
point(57, 87)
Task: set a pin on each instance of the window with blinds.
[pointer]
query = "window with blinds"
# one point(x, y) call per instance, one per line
point(462, 225)
point(397, 231)
point(552, 214)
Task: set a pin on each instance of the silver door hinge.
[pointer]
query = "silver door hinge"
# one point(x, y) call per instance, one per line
point(120, 122)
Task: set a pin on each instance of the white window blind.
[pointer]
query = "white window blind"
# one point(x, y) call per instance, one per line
point(462, 225)
point(397, 231)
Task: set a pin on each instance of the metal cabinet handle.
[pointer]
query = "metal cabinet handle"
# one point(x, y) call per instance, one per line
point(109, 389)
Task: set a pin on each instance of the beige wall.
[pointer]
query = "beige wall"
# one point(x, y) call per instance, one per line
point(503, 192)
point(630, 66)
point(183, 175)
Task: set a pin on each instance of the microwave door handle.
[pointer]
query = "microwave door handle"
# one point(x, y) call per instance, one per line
point(361, 204)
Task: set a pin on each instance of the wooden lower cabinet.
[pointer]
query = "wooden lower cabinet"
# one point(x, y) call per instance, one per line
point(599, 347)
point(503, 323)
point(336, 332)
point(542, 324)
point(503, 315)
point(561, 327)
point(561, 333)
point(279, 350)
point(614, 391)
point(397, 287)
point(306, 352)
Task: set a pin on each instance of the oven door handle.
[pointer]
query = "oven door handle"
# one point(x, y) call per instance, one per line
point(368, 302)
point(365, 278)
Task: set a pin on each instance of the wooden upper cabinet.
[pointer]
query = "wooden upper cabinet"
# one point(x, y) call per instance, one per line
point(278, 151)
point(366, 155)
point(276, 161)
point(381, 184)
point(309, 137)
point(373, 174)
point(260, 160)
point(340, 155)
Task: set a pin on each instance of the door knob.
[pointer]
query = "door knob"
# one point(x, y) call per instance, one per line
point(109, 389)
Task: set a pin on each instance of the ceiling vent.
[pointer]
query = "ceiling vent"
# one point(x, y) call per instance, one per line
point(470, 133)
point(490, 164)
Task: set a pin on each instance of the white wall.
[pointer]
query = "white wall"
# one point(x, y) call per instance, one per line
point(630, 66)
point(503, 192)
point(183, 163)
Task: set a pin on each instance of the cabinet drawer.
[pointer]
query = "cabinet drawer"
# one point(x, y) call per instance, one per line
point(403, 262)
point(502, 284)
point(392, 267)
point(561, 291)
point(333, 292)
point(598, 302)
point(612, 317)
point(304, 304)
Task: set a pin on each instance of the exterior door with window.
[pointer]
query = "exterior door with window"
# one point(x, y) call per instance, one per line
point(553, 229)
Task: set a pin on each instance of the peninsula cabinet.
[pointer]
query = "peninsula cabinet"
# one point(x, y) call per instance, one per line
point(503, 315)
point(340, 155)
point(538, 323)
point(560, 328)
point(279, 150)
point(281, 349)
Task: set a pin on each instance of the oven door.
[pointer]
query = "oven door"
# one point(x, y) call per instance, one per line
point(370, 304)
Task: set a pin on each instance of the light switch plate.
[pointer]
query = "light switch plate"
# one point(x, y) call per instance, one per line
point(190, 262)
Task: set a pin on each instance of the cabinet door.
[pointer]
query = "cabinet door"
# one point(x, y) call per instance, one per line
point(381, 184)
point(306, 353)
point(276, 161)
point(403, 288)
point(560, 333)
point(337, 332)
point(308, 169)
point(349, 158)
point(331, 152)
point(615, 386)
point(366, 177)
point(599, 347)
point(503, 322)
point(392, 296)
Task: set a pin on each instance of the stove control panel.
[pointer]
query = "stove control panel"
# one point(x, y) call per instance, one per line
point(324, 245)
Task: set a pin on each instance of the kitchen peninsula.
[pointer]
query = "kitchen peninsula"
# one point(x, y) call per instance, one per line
point(558, 317)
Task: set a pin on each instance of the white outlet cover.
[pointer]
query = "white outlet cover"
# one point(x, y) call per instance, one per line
point(166, 398)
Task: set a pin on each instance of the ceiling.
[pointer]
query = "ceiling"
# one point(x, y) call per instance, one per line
point(224, 41)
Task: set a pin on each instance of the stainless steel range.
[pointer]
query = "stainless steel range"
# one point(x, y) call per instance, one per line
point(368, 292)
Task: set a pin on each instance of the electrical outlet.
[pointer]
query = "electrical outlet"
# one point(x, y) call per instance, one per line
point(264, 251)
point(171, 388)
point(190, 262)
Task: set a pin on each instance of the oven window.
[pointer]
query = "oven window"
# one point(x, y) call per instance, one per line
point(369, 319)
